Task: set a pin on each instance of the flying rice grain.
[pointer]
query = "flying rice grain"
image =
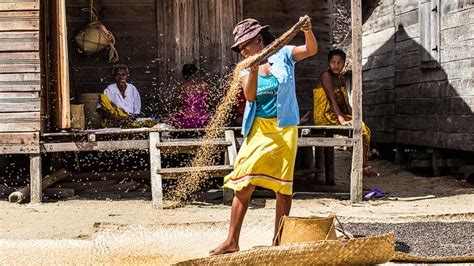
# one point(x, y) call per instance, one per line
point(207, 153)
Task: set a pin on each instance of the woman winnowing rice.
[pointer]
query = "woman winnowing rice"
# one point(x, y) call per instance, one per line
point(269, 126)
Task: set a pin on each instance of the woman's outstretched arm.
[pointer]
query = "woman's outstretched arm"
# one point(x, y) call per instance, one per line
point(249, 84)
point(311, 45)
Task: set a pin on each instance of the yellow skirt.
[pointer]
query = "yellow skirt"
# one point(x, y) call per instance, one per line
point(111, 109)
point(266, 158)
point(324, 114)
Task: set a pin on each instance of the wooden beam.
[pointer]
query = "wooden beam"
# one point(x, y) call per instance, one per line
point(19, 148)
point(210, 169)
point(19, 127)
point(34, 190)
point(357, 152)
point(13, 87)
point(197, 143)
point(19, 21)
point(324, 142)
point(317, 142)
point(35, 178)
point(187, 146)
point(63, 108)
point(329, 166)
point(10, 105)
point(19, 41)
point(20, 5)
point(155, 167)
point(228, 194)
point(95, 146)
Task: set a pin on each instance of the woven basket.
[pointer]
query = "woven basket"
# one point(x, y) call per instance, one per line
point(365, 250)
point(304, 229)
point(95, 37)
point(92, 38)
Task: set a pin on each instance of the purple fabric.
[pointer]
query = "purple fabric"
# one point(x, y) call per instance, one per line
point(193, 112)
point(375, 193)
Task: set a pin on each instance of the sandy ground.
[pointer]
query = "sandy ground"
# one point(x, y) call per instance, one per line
point(92, 231)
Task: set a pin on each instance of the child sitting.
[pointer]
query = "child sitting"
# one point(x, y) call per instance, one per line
point(331, 102)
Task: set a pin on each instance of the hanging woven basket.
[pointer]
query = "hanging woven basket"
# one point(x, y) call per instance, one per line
point(95, 37)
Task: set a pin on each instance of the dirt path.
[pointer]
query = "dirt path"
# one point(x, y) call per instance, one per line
point(91, 231)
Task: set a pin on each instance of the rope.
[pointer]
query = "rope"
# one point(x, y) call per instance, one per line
point(93, 17)
point(113, 54)
point(91, 2)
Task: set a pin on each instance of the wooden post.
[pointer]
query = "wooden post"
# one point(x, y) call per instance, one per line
point(329, 167)
point(155, 166)
point(357, 153)
point(400, 154)
point(35, 178)
point(435, 162)
point(62, 70)
point(319, 164)
point(231, 155)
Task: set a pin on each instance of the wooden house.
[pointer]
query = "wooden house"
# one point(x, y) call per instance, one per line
point(155, 38)
point(418, 73)
point(42, 70)
point(20, 79)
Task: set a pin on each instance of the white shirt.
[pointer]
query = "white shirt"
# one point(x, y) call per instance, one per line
point(130, 104)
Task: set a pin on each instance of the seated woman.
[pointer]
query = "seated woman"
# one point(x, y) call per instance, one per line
point(331, 102)
point(120, 104)
point(193, 106)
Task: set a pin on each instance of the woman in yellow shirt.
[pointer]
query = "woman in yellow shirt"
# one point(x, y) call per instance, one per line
point(331, 102)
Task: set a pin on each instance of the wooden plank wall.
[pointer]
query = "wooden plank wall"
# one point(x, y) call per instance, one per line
point(281, 15)
point(19, 76)
point(154, 39)
point(433, 106)
point(456, 123)
point(133, 24)
point(430, 106)
point(378, 56)
point(196, 31)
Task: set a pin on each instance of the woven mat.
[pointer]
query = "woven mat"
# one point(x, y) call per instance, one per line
point(364, 250)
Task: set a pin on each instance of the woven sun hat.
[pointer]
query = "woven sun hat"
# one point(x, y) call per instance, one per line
point(246, 30)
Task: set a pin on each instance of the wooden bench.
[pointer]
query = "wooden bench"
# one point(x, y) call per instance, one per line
point(140, 139)
point(158, 146)
point(153, 141)
point(319, 162)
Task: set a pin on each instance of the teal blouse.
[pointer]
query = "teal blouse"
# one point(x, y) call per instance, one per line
point(267, 89)
point(283, 69)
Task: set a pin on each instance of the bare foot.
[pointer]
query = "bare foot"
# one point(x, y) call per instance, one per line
point(226, 247)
